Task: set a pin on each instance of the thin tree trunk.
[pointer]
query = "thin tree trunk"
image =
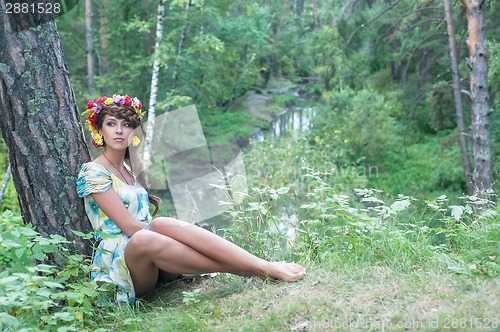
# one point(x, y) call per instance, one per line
point(480, 110)
point(282, 19)
point(459, 111)
point(315, 15)
point(90, 47)
point(154, 83)
point(180, 47)
point(41, 127)
point(4, 183)
point(104, 44)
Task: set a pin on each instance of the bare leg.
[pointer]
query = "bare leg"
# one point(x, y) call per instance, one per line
point(233, 258)
point(148, 252)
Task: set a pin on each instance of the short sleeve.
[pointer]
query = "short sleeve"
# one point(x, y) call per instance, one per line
point(92, 178)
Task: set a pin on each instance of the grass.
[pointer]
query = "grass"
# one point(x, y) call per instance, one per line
point(366, 298)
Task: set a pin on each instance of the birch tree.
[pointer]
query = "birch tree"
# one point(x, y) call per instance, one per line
point(154, 83)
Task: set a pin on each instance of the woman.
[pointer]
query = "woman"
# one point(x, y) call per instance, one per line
point(136, 249)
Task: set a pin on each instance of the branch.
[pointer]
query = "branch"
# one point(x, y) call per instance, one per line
point(367, 23)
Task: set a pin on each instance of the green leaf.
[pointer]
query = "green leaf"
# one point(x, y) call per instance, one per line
point(283, 190)
point(308, 206)
point(52, 284)
point(27, 231)
point(7, 280)
point(456, 211)
point(400, 205)
point(10, 244)
point(19, 252)
point(8, 320)
point(40, 256)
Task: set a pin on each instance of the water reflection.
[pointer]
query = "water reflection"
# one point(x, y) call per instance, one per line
point(295, 119)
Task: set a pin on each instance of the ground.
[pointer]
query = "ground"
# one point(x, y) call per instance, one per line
point(371, 298)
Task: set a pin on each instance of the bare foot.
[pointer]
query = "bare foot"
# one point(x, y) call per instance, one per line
point(285, 271)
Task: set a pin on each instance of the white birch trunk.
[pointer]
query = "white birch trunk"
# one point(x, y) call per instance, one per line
point(154, 85)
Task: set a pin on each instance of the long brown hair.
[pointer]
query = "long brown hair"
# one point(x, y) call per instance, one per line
point(127, 113)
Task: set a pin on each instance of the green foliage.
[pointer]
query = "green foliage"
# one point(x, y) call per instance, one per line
point(311, 216)
point(35, 296)
point(365, 120)
point(422, 168)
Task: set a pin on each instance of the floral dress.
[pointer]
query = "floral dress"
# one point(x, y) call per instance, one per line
point(109, 260)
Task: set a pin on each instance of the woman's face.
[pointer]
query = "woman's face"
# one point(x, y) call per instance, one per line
point(116, 132)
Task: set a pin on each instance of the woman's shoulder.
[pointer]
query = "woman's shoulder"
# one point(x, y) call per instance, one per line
point(93, 177)
point(93, 166)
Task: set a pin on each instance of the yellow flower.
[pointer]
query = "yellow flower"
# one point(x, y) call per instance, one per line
point(136, 141)
point(98, 139)
point(108, 101)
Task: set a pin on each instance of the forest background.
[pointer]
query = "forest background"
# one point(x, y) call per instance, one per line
point(378, 75)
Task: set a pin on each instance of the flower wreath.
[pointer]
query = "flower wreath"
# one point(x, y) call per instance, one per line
point(94, 107)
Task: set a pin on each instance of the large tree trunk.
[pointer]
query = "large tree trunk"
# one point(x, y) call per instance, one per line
point(42, 129)
point(459, 110)
point(480, 124)
point(90, 47)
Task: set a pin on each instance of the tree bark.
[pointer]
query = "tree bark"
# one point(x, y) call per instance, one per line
point(90, 47)
point(41, 127)
point(459, 110)
point(480, 111)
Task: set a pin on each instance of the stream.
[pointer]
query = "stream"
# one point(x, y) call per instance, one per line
point(295, 119)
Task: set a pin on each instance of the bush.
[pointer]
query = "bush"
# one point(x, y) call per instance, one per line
point(35, 295)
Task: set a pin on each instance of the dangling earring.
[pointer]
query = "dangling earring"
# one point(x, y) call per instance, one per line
point(136, 141)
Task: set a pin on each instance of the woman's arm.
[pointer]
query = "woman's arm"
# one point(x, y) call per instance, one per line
point(111, 204)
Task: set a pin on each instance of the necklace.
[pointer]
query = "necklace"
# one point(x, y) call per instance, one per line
point(124, 178)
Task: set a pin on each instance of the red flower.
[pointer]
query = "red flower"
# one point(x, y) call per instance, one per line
point(94, 143)
point(128, 101)
point(101, 100)
point(90, 104)
point(93, 120)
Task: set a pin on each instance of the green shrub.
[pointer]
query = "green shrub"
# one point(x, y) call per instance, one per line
point(35, 295)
